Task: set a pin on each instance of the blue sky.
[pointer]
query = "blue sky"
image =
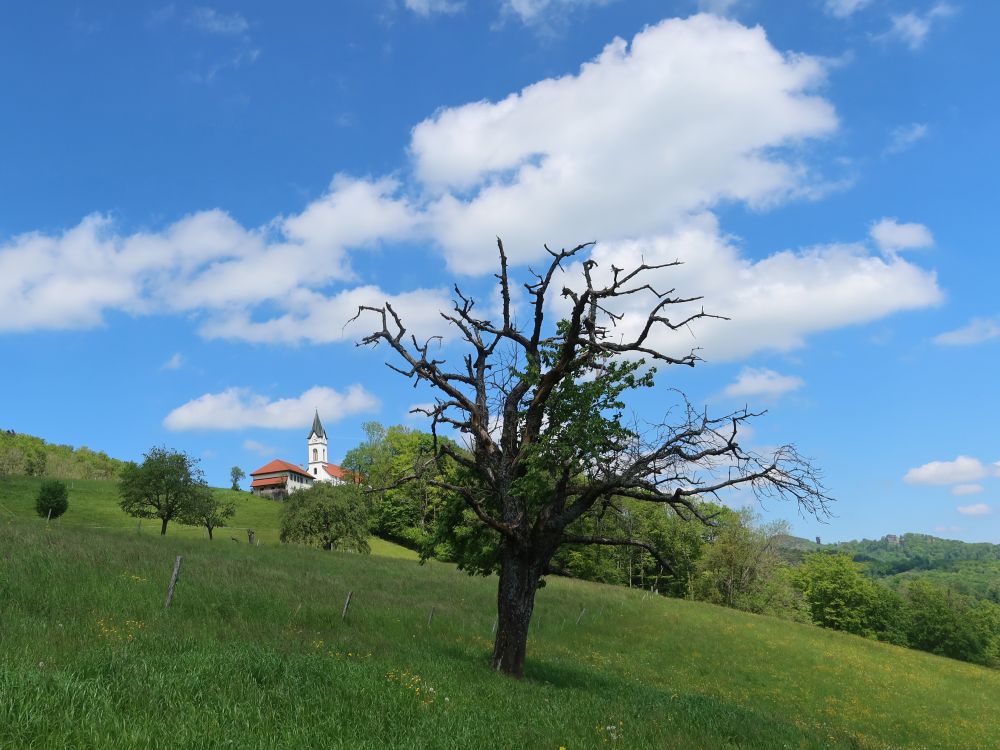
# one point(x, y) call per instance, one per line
point(195, 198)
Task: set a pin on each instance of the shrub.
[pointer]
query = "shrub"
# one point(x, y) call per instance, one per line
point(52, 498)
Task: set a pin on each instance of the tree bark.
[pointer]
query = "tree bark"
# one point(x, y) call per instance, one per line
point(163, 527)
point(209, 532)
point(519, 576)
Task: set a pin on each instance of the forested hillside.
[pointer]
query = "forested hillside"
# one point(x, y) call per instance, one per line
point(26, 455)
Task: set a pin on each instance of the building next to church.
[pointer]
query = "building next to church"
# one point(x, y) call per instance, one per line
point(277, 479)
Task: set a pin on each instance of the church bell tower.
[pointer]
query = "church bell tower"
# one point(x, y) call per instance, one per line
point(317, 449)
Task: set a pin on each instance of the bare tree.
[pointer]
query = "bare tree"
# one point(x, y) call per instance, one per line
point(542, 408)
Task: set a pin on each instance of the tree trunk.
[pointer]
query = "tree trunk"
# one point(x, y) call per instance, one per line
point(163, 528)
point(515, 601)
point(209, 532)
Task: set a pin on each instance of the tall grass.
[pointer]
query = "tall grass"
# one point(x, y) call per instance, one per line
point(253, 654)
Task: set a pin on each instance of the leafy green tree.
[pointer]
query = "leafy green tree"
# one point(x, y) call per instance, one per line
point(237, 475)
point(53, 498)
point(543, 408)
point(405, 512)
point(166, 485)
point(209, 510)
point(841, 597)
point(950, 624)
point(326, 515)
point(742, 568)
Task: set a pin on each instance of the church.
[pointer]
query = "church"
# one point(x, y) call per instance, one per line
point(277, 479)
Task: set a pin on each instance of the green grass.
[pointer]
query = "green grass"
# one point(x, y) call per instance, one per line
point(253, 654)
point(93, 503)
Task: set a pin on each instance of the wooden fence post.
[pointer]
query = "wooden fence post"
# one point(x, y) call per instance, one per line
point(347, 603)
point(173, 581)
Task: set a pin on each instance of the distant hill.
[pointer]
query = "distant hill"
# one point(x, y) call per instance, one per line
point(965, 567)
point(26, 455)
point(969, 568)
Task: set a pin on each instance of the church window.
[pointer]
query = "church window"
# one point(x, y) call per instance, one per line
point(315, 454)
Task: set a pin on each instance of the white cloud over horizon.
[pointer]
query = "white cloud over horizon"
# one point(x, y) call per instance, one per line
point(240, 408)
point(978, 509)
point(962, 470)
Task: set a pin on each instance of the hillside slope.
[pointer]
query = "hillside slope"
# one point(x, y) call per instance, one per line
point(254, 653)
point(93, 504)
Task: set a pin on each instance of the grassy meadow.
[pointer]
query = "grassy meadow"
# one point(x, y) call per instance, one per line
point(253, 653)
point(93, 504)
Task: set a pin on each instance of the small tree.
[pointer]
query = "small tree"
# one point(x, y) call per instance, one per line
point(165, 485)
point(52, 498)
point(208, 510)
point(326, 515)
point(237, 475)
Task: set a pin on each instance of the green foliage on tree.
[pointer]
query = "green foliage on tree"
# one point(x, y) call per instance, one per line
point(25, 455)
point(52, 500)
point(209, 510)
point(841, 597)
point(743, 568)
point(407, 511)
point(328, 516)
point(237, 475)
point(950, 624)
point(166, 485)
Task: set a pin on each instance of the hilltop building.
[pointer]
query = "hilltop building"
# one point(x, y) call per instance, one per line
point(277, 479)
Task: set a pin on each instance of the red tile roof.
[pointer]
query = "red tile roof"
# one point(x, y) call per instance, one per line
point(269, 482)
point(279, 465)
point(340, 473)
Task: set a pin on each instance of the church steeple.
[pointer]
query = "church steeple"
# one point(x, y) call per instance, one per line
point(317, 428)
point(317, 448)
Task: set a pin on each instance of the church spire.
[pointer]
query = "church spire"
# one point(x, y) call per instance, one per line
point(317, 428)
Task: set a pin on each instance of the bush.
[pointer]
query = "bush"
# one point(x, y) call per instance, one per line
point(52, 498)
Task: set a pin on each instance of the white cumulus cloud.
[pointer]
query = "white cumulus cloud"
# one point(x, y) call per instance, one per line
point(979, 509)
point(773, 303)
point(688, 114)
point(762, 382)
point(960, 471)
point(891, 236)
point(240, 408)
